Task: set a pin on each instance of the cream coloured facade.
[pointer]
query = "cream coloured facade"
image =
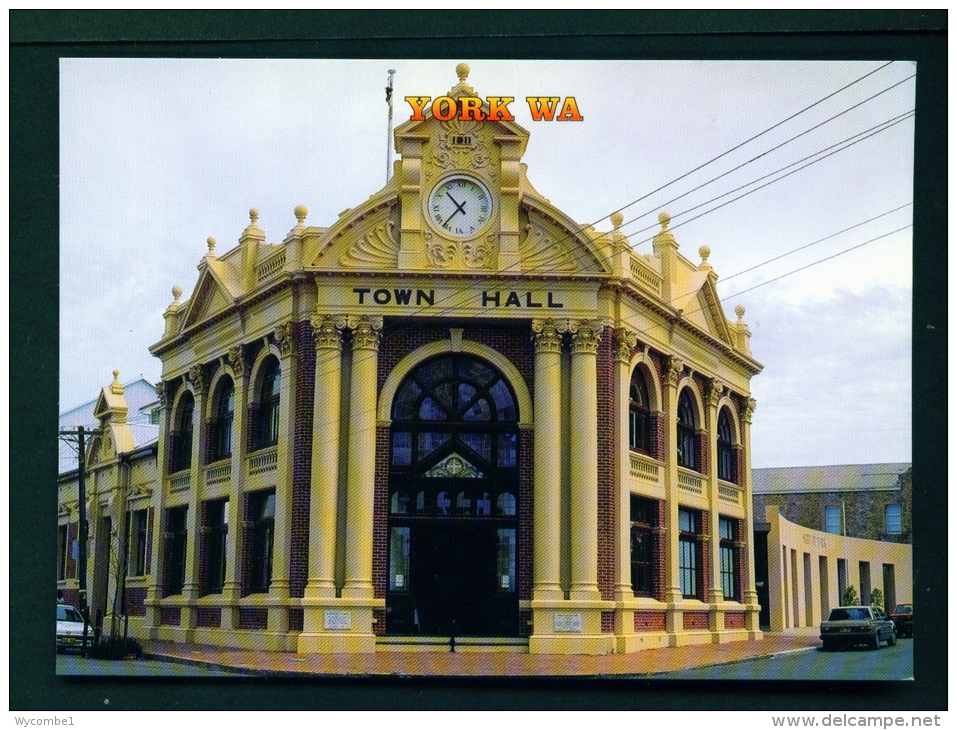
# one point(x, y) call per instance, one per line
point(452, 412)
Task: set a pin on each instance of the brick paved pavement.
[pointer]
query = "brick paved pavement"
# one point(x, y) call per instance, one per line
point(480, 664)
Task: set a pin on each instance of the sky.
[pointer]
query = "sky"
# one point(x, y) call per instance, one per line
point(158, 155)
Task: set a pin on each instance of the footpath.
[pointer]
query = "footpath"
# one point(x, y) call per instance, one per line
point(478, 664)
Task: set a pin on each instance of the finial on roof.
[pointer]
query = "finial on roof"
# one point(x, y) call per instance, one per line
point(116, 387)
point(177, 293)
point(705, 252)
point(253, 216)
point(617, 219)
point(301, 212)
point(462, 71)
point(739, 310)
point(211, 242)
point(664, 218)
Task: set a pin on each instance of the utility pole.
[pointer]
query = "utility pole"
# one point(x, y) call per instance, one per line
point(83, 531)
point(388, 98)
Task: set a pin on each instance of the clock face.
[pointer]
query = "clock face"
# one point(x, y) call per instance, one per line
point(460, 207)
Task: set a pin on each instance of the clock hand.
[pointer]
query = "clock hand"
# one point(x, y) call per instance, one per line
point(459, 207)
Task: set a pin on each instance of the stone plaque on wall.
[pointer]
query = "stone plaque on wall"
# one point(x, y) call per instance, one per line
point(337, 620)
point(568, 623)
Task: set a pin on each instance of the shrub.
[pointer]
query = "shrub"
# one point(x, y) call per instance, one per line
point(877, 598)
point(849, 597)
point(117, 647)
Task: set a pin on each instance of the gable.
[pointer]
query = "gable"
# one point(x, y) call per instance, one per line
point(209, 298)
point(701, 306)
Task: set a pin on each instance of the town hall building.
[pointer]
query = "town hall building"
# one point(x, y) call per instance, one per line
point(452, 412)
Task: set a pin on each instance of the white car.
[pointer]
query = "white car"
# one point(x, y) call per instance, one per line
point(69, 629)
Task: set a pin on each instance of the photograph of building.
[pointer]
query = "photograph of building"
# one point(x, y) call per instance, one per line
point(450, 415)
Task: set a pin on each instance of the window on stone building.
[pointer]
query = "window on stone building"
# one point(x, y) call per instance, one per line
point(223, 425)
point(832, 519)
point(217, 528)
point(892, 519)
point(727, 534)
point(61, 553)
point(689, 524)
point(176, 564)
point(262, 513)
point(644, 519)
point(182, 439)
point(269, 404)
point(138, 542)
point(726, 460)
point(638, 413)
point(686, 431)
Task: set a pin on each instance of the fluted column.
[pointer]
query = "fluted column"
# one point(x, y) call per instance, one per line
point(747, 529)
point(673, 368)
point(583, 448)
point(191, 584)
point(366, 332)
point(623, 343)
point(158, 503)
point(548, 460)
point(712, 396)
point(323, 502)
point(237, 364)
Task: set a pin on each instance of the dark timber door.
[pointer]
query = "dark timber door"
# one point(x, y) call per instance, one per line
point(452, 508)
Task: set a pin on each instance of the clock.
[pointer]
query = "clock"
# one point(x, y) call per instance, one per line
point(459, 207)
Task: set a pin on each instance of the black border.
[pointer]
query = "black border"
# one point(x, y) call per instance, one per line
point(40, 38)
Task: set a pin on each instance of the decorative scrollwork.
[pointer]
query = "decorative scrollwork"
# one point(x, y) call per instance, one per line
point(441, 253)
point(623, 342)
point(327, 331)
point(284, 335)
point(376, 249)
point(477, 254)
point(546, 335)
point(673, 368)
point(197, 379)
point(540, 253)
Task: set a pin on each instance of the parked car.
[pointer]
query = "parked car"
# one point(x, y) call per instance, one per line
point(850, 625)
point(903, 618)
point(69, 629)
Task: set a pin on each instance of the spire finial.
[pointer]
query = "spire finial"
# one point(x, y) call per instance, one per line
point(617, 219)
point(664, 218)
point(253, 216)
point(211, 242)
point(739, 310)
point(177, 293)
point(301, 212)
point(705, 252)
point(116, 387)
point(462, 71)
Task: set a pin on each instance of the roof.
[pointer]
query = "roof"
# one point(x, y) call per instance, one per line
point(838, 478)
point(139, 395)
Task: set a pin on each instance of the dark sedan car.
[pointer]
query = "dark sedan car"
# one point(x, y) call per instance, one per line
point(903, 618)
point(850, 625)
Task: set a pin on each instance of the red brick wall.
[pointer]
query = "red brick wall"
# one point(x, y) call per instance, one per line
point(606, 465)
point(704, 573)
point(734, 620)
point(253, 618)
point(136, 601)
point(71, 597)
point(608, 622)
point(649, 621)
point(695, 619)
point(203, 546)
point(295, 619)
point(149, 539)
point(657, 423)
point(380, 515)
point(524, 623)
point(304, 393)
point(208, 617)
point(526, 527)
point(169, 616)
point(378, 617)
point(661, 550)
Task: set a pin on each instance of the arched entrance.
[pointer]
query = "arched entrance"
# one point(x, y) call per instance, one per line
point(453, 513)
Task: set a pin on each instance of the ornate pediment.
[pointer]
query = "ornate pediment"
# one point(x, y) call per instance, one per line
point(209, 298)
point(454, 466)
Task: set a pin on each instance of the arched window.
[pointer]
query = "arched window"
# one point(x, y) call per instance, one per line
point(686, 431)
point(726, 462)
point(269, 404)
point(223, 426)
point(182, 440)
point(638, 419)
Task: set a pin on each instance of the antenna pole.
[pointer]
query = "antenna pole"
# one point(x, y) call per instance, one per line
point(388, 98)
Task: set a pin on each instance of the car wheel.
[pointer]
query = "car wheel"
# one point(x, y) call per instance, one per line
point(892, 639)
point(876, 643)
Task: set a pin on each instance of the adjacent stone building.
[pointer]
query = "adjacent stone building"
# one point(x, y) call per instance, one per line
point(454, 411)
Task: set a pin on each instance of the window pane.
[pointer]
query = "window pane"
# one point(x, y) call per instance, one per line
point(401, 448)
point(430, 411)
point(399, 558)
point(463, 504)
point(893, 514)
point(443, 505)
point(504, 404)
point(507, 449)
point(480, 443)
point(429, 441)
point(400, 504)
point(832, 519)
point(478, 411)
point(434, 371)
point(404, 406)
point(483, 505)
point(505, 505)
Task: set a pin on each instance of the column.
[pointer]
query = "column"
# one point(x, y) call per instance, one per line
point(750, 597)
point(548, 461)
point(236, 363)
point(360, 488)
point(583, 447)
point(191, 586)
point(673, 368)
point(154, 590)
point(284, 337)
point(712, 395)
point(323, 500)
point(623, 343)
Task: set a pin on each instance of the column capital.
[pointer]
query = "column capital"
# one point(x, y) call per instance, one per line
point(236, 361)
point(160, 388)
point(327, 331)
point(546, 335)
point(285, 338)
point(585, 334)
point(713, 393)
point(623, 342)
point(197, 379)
point(366, 331)
point(748, 411)
point(673, 368)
